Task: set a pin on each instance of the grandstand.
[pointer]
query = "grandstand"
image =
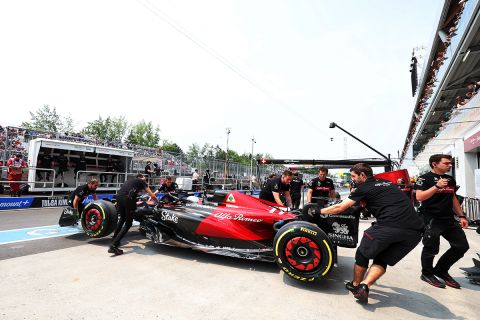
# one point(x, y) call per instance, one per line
point(17, 140)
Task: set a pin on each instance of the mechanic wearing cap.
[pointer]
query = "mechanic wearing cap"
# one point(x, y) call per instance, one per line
point(396, 233)
point(321, 188)
point(276, 186)
point(439, 206)
point(126, 205)
point(75, 200)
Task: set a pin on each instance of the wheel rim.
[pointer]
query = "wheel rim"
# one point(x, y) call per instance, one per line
point(303, 253)
point(93, 219)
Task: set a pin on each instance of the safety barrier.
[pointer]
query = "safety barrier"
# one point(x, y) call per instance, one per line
point(42, 172)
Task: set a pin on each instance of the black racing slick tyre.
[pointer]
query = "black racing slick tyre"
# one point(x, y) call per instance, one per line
point(99, 218)
point(303, 251)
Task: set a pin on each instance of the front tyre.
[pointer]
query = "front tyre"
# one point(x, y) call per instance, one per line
point(303, 251)
point(99, 218)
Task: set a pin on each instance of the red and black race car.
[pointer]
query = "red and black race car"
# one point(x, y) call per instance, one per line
point(303, 243)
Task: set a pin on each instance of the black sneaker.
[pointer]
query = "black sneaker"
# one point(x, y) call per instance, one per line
point(115, 250)
point(362, 293)
point(432, 280)
point(449, 281)
point(350, 287)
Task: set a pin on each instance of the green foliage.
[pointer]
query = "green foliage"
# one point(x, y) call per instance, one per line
point(109, 129)
point(193, 152)
point(46, 118)
point(171, 147)
point(144, 134)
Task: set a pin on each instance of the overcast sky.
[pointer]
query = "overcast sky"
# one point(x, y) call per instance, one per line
point(276, 70)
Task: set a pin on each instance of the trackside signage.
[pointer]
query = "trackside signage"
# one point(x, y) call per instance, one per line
point(15, 203)
point(41, 202)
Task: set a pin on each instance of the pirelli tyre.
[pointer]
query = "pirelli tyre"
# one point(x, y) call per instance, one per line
point(99, 218)
point(303, 251)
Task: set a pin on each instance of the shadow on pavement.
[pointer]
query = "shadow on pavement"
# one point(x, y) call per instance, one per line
point(415, 302)
point(334, 283)
point(147, 247)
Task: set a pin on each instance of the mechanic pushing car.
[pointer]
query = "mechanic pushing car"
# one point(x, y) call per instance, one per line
point(396, 233)
point(276, 186)
point(321, 188)
point(126, 205)
point(75, 200)
point(167, 187)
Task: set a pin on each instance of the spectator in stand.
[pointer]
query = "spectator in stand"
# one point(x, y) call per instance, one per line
point(473, 86)
point(15, 165)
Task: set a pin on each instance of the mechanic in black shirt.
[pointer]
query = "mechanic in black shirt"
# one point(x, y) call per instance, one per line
point(276, 186)
point(439, 205)
point(81, 165)
point(396, 233)
point(62, 161)
point(167, 187)
point(149, 171)
point(45, 163)
point(75, 200)
point(321, 188)
point(126, 205)
point(296, 190)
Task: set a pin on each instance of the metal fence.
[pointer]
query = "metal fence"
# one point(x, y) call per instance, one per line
point(471, 208)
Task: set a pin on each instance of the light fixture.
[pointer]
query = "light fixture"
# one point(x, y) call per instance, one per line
point(466, 55)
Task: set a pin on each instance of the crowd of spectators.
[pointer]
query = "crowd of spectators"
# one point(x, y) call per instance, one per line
point(472, 89)
point(15, 140)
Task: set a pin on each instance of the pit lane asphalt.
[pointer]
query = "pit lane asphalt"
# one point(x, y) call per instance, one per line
point(73, 277)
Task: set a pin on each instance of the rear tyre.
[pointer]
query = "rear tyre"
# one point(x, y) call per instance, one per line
point(303, 251)
point(99, 218)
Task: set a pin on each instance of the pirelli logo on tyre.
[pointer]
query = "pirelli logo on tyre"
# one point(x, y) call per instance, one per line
point(297, 277)
point(306, 230)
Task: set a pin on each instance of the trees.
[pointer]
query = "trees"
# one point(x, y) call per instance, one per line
point(171, 147)
point(144, 134)
point(46, 118)
point(109, 129)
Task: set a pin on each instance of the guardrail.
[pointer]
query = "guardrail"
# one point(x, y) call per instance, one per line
point(42, 172)
point(116, 178)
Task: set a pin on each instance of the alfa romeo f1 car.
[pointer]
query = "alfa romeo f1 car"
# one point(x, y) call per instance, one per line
point(303, 243)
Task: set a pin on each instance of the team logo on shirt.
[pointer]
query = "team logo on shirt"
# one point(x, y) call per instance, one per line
point(420, 181)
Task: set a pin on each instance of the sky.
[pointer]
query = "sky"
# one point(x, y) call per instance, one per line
point(278, 71)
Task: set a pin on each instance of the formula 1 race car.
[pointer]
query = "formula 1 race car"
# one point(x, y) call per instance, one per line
point(302, 243)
